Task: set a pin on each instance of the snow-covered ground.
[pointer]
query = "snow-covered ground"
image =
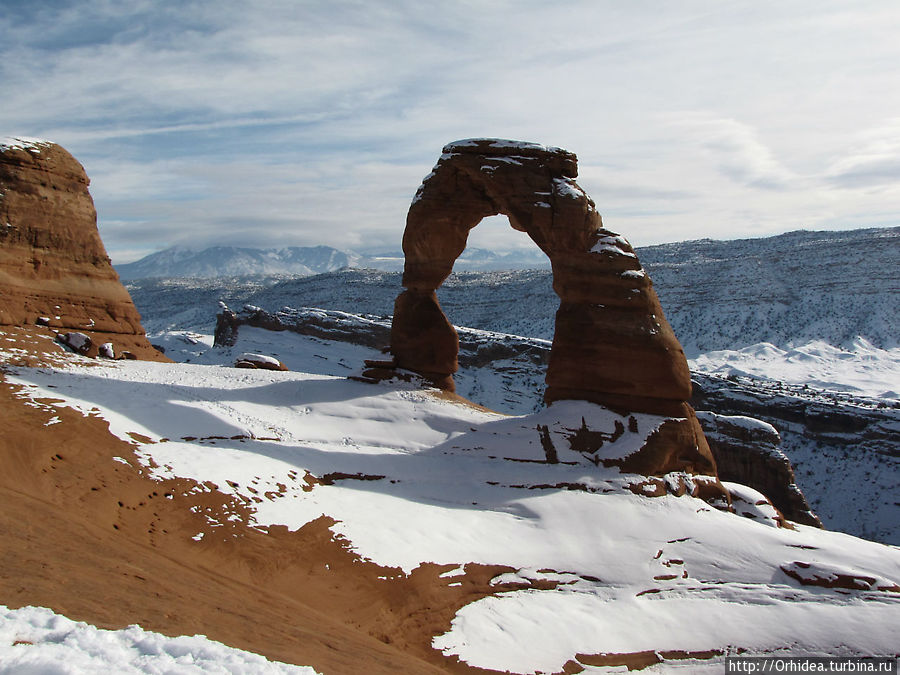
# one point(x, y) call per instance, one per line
point(412, 478)
point(848, 474)
point(37, 641)
point(860, 368)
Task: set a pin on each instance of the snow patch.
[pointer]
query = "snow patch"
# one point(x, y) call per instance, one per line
point(613, 244)
point(22, 143)
point(500, 144)
point(742, 421)
point(37, 640)
point(862, 368)
point(567, 188)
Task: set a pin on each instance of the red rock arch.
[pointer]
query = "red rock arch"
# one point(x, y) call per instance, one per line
point(612, 344)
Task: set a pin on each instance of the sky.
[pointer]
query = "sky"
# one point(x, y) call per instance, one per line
point(295, 123)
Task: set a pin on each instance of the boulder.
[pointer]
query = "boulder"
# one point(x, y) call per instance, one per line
point(612, 344)
point(259, 361)
point(54, 271)
point(77, 342)
point(320, 323)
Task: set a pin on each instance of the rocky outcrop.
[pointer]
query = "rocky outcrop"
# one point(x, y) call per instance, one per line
point(612, 344)
point(843, 447)
point(54, 271)
point(747, 452)
point(827, 575)
point(320, 323)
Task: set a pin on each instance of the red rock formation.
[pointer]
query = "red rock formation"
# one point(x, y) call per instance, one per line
point(54, 271)
point(747, 452)
point(612, 344)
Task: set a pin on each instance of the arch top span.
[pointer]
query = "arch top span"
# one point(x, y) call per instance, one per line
point(532, 185)
point(612, 344)
point(561, 161)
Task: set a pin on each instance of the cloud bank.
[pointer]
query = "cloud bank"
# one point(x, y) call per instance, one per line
point(282, 123)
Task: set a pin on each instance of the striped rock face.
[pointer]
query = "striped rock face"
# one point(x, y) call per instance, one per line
point(54, 271)
point(612, 344)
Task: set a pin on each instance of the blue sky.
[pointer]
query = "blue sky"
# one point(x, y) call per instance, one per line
point(276, 123)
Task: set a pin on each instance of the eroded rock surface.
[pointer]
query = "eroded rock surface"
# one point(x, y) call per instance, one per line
point(612, 344)
point(54, 271)
point(747, 452)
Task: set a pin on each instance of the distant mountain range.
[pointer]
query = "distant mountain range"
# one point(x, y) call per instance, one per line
point(233, 261)
point(784, 290)
point(229, 261)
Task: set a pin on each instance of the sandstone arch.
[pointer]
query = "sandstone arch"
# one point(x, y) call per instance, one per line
point(612, 344)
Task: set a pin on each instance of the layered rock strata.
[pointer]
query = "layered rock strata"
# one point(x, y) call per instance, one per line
point(747, 451)
point(55, 275)
point(612, 344)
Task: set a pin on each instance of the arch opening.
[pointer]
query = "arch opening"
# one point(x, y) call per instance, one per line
point(493, 244)
point(504, 374)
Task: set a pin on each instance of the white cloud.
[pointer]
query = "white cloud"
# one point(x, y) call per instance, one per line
point(872, 161)
point(735, 150)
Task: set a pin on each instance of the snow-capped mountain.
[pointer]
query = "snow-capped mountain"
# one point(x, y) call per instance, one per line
point(231, 261)
point(472, 260)
point(224, 261)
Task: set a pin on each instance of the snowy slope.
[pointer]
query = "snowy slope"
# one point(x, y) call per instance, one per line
point(786, 290)
point(191, 304)
point(844, 447)
point(859, 367)
point(594, 568)
point(39, 641)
